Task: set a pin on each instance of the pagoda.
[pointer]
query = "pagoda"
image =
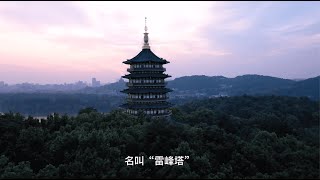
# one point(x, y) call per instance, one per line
point(147, 92)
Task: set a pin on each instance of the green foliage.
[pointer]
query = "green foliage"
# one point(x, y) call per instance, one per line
point(41, 104)
point(20, 171)
point(238, 137)
point(87, 110)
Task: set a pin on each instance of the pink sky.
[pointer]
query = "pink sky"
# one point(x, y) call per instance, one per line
point(57, 42)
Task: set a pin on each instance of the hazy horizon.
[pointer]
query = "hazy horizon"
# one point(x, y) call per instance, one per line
point(168, 79)
point(66, 42)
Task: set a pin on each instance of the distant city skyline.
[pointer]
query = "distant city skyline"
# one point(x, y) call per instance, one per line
point(64, 42)
point(93, 83)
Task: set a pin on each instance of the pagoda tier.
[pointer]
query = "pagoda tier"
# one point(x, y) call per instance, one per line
point(147, 90)
point(146, 55)
point(146, 75)
point(147, 105)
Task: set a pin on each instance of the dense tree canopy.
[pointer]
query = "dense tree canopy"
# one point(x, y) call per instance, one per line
point(238, 137)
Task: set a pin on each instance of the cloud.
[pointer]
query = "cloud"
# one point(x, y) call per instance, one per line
point(215, 38)
point(31, 14)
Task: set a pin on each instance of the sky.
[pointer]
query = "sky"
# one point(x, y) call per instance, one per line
point(68, 41)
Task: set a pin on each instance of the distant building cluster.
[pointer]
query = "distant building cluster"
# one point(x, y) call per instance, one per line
point(95, 83)
point(31, 87)
point(2, 84)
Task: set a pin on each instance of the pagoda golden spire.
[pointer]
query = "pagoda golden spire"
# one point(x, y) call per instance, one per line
point(146, 38)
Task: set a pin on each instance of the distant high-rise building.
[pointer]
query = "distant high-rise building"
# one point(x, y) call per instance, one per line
point(95, 83)
point(147, 92)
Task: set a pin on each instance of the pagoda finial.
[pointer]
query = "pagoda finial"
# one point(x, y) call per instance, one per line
point(145, 24)
point(146, 38)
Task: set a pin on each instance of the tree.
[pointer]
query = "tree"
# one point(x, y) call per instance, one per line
point(87, 110)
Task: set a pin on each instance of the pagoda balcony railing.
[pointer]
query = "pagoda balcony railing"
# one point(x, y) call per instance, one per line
point(146, 69)
point(146, 99)
point(130, 84)
point(168, 113)
point(157, 115)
